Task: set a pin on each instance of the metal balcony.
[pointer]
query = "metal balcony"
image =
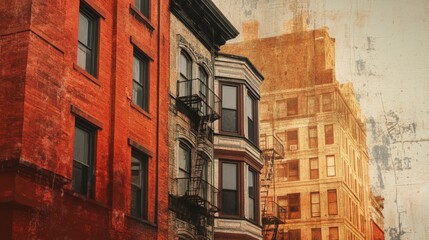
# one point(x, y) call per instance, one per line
point(271, 143)
point(199, 98)
point(272, 213)
point(197, 191)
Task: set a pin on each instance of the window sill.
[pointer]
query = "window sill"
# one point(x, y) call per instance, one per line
point(86, 74)
point(141, 221)
point(141, 18)
point(140, 110)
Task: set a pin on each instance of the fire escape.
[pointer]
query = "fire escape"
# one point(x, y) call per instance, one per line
point(272, 214)
point(196, 200)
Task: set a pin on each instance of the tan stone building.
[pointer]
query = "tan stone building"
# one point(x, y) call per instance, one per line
point(321, 178)
point(198, 28)
point(237, 157)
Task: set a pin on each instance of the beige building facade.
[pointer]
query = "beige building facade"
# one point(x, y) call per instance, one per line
point(321, 179)
point(237, 157)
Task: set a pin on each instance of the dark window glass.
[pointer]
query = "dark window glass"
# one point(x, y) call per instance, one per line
point(83, 160)
point(229, 109)
point(294, 234)
point(333, 233)
point(292, 106)
point(87, 40)
point(141, 81)
point(143, 7)
point(229, 189)
point(138, 185)
point(332, 202)
point(293, 170)
point(251, 118)
point(185, 75)
point(316, 234)
point(292, 140)
point(294, 205)
point(329, 134)
point(184, 168)
point(204, 90)
point(252, 194)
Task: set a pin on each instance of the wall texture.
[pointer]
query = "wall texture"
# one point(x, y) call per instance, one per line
point(382, 48)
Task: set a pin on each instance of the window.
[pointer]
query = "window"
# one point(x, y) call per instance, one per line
point(312, 137)
point(316, 234)
point(229, 199)
point(229, 108)
point(252, 203)
point(294, 234)
point(294, 206)
point(315, 204)
point(184, 168)
point(333, 233)
point(185, 75)
point(327, 102)
point(330, 165)
point(138, 184)
point(143, 7)
point(332, 202)
point(293, 170)
point(329, 134)
point(87, 40)
point(204, 91)
point(292, 140)
point(141, 81)
point(313, 105)
point(292, 106)
point(314, 168)
point(83, 160)
point(251, 119)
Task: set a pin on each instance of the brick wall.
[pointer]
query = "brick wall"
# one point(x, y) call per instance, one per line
point(41, 83)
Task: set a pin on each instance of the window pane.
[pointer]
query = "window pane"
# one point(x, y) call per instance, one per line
point(137, 94)
point(229, 202)
point(292, 106)
point(81, 146)
point(249, 107)
point(185, 66)
point(84, 25)
point(136, 201)
point(136, 172)
point(80, 178)
point(185, 159)
point(251, 183)
point(229, 176)
point(229, 120)
point(229, 97)
point(251, 208)
point(136, 69)
point(316, 234)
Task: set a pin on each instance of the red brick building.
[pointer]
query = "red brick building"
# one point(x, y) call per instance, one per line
point(83, 106)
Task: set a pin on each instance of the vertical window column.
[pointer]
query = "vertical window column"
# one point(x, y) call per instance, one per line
point(87, 40)
point(252, 203)
point(229, 204)
point(251, 119)
point(84, 158)
point(141, 81)
point(229, 108)
point(139, 172)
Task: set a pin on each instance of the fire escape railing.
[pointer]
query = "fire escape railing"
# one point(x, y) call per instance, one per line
point(199, 97)
point(197, 191)
point(272, 142)
point(273, 213)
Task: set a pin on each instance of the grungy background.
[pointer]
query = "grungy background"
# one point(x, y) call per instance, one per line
point(382, 46)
